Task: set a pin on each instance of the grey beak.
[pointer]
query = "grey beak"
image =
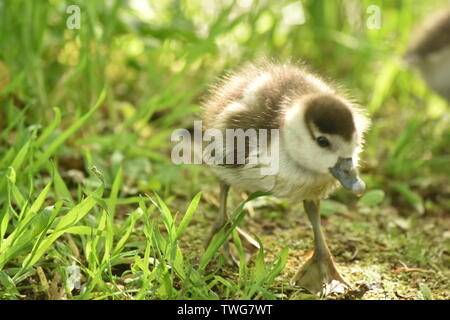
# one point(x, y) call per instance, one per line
point(346, 173)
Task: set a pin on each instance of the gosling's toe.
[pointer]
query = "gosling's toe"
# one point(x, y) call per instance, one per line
point(320, 276)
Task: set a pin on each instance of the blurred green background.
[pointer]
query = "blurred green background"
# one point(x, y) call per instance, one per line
point(155, 60)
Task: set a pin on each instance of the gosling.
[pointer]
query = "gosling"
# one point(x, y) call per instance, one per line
point(320, 137)
point(429, 52)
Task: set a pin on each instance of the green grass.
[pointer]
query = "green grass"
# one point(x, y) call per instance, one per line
point(86, 178)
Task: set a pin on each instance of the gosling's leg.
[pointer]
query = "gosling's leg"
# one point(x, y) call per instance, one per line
point(223, 217)
point(319, 274)
point(249, 244)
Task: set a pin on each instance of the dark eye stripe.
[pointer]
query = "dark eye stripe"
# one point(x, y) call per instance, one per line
point(323, 142)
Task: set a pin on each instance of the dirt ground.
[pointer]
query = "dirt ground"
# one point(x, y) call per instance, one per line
point(382, 253)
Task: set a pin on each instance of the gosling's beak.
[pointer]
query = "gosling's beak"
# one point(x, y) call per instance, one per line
point(346, 173)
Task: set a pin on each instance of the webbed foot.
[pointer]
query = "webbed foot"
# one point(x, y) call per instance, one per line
point(320, 276)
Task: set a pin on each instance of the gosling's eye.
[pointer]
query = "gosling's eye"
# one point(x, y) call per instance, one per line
point(323, 142)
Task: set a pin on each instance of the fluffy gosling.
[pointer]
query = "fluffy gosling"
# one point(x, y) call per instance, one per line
point(320, 137)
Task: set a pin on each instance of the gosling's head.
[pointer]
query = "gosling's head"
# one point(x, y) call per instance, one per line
point(324, 134)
